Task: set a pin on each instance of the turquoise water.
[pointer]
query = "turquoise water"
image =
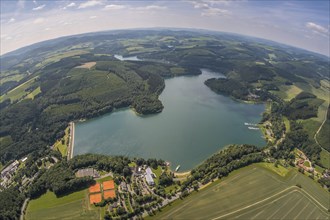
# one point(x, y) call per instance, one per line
point(194, 124)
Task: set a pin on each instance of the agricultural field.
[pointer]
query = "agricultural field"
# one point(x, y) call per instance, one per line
point(20, 91)
point(72, 206)
point(255, 192)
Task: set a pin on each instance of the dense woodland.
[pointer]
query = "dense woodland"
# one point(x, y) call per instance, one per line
point(222, 163)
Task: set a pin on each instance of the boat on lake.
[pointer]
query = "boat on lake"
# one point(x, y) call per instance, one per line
point(177, 168)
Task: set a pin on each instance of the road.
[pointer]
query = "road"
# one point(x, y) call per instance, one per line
point(71, 141)
point(23, 209)
point(325, 119)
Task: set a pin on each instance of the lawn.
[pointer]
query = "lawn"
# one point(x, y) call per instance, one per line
point(325, 159)
point(254, 191)
point(72, 206)
point(157, 172)
point(62, 148)
point(307, 164)
point(280, 170)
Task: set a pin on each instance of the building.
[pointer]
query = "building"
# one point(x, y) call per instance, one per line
point(123, 186)
point(87, 172)
point(9, 170)
point(149, 177)
point(24, 159)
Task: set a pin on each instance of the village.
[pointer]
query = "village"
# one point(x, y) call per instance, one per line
point(137, 196)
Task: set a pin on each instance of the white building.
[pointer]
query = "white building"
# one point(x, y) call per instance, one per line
point(149, 178)
point(9, 170)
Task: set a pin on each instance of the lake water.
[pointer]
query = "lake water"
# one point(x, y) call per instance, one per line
point(194, 124)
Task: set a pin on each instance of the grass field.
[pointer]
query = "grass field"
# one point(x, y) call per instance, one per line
point(288, 92)
point(62, 148)
point(254, 192)
point(286, 123)
point(33, 93)
point(325, 159)
point(73, 206)
point(19, 91)
point(157, 172)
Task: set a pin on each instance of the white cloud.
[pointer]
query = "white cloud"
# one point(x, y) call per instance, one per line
point(200, 5)
point(92, 17)
point(210, 8)
point(91, 3)
point(215, 12)
point(114, 7)
point(38, 8)
point(35, 2)
point(317, 28)
point(152, 7)
point(72, 4)
point(47, 29)
point(38, 21)
point(11, 20)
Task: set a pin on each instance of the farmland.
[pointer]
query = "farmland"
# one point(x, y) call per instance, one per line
point(255, 191)
point(21, 91)
point(72, 206)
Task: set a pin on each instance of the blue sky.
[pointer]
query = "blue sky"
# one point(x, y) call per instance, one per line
point(303, 23)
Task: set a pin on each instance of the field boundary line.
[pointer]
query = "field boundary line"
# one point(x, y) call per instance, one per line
point(256, 203)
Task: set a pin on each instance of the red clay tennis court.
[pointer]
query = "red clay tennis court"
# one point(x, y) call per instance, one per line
point(109, 194)
point(108, 185)
point(95, 188)
point(95, 198)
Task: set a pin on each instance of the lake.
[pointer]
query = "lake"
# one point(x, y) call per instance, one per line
point(194, 124)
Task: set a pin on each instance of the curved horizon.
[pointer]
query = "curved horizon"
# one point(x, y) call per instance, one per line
point(301, 24)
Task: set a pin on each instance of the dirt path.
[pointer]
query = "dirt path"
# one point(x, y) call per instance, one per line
point(24, 208)
point(317, 132)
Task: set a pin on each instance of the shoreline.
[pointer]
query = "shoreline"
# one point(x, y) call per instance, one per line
point(182, 174)
point(71, 143)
